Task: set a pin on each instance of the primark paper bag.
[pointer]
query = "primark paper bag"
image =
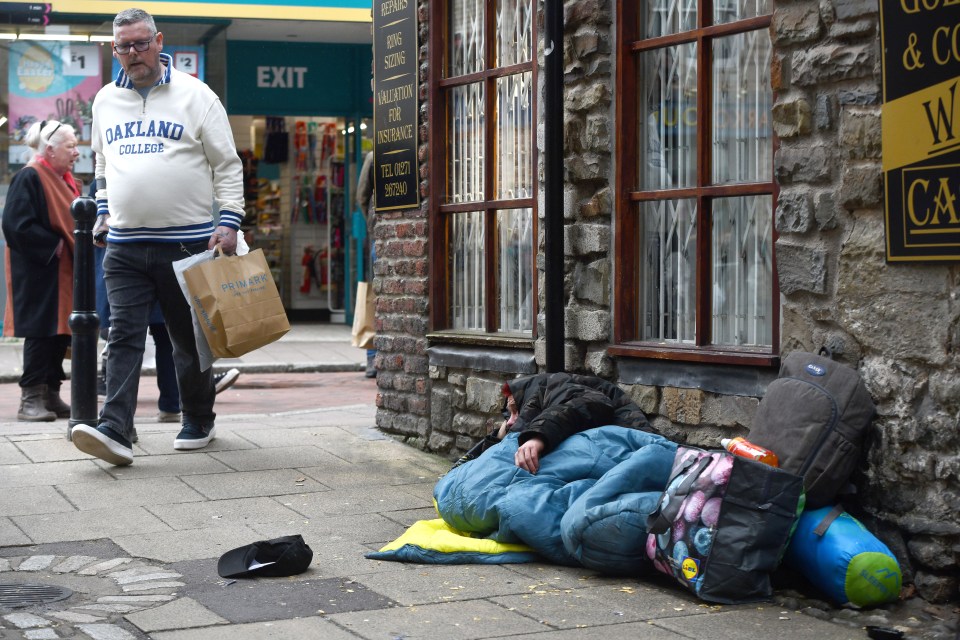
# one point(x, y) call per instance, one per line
point(237, 303)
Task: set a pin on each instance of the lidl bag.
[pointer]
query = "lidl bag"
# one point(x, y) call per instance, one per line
point(723, 523)
point(237, 303)
point(363, 317)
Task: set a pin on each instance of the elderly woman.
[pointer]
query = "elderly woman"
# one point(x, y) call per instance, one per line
point(38, 229)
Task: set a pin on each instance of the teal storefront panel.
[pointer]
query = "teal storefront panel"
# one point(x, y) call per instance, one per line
point(288, 79)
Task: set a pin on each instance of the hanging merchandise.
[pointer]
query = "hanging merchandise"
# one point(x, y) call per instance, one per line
point(320, 197)
point(276, 144)
point(310, 275)
point(300, 145)
point(328, 146)
point(312, 146)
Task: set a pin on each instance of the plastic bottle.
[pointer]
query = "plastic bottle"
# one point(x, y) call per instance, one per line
point(746, 449)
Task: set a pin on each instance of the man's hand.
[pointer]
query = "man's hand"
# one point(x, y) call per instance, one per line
point(226, 238)
point(528, 455)
point(100, 229)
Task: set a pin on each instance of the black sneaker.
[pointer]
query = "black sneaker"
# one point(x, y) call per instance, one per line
point(223, 381)
point(194, 436)
point(104, 443)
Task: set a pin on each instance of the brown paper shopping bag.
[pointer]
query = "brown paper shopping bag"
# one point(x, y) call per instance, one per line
point(237, 303)
point(363, 320)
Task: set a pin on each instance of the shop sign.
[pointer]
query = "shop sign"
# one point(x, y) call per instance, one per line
point(298, 79)
point(51, 81)
point(920, 41)
point(395, 104)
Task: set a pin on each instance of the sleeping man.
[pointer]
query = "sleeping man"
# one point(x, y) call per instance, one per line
point(575, 476)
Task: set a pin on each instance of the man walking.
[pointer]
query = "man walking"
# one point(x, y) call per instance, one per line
point(164, 152)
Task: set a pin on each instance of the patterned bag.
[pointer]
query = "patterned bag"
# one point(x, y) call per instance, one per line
point(723, 523)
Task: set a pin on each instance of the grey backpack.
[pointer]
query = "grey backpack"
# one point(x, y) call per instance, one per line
point(815, 416)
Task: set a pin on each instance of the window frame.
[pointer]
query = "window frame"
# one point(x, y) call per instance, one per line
point(629, 197)
point(440, 236)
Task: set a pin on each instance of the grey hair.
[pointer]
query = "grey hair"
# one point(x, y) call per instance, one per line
point(46, 133)
point(134, 16)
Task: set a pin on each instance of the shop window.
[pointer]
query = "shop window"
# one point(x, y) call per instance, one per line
point(695, 184)
point(482, 167)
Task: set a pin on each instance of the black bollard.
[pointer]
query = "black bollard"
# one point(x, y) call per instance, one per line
point(84, 322)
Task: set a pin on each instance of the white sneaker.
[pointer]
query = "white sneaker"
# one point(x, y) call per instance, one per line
point(223, 381)
point(168, 416)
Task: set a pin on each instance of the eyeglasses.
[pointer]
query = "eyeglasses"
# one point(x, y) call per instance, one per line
point(140, 45)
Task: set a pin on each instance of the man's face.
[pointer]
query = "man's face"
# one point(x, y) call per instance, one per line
point(142, 67)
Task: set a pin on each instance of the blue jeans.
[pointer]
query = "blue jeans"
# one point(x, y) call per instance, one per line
point(169, 400)
point(137, 275)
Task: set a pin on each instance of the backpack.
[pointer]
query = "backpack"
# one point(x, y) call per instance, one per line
point(814, 416)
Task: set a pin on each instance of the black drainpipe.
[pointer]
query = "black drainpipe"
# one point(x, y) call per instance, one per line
point(553, 186)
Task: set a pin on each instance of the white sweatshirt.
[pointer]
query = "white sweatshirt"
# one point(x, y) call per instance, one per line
point(165, 158)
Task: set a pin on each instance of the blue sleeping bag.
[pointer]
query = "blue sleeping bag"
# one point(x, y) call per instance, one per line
point(587, 506)
point(842, 559)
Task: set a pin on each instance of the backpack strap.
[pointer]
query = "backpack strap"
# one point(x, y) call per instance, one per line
point(828, 519)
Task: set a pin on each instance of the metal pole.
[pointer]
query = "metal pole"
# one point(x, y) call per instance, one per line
point(84, 322)
point(554, 325)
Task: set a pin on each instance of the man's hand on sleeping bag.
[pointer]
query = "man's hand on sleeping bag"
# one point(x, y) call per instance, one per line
point(528, 455)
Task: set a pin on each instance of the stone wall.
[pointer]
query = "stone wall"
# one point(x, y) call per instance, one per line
point(899, 322)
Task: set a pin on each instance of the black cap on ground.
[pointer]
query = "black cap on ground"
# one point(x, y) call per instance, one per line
point(284, 556)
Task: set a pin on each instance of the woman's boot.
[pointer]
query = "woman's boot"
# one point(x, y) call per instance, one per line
point(53, 403)
point(33, 407)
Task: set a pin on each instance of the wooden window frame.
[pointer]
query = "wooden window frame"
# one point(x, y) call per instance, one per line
point(439, 210)
point(629, 197)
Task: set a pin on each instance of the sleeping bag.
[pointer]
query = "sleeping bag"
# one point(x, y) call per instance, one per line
point(586, 506)
point(836, 553)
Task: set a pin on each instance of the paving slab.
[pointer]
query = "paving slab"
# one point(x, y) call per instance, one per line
point(240, 484)
point(31, 500)
point(132, 492)
point(237, 511)
point(261, 458)
point(89, 524)
point(450, 621)
point(316, 532)
point(180, 465)
point(261, 599)
point(340, 474)
point(627, 601)
point(626, 631)
point(355, 501)
point(12, 454)
point(428, 584)
point(760, 622)
point(315, 627)
point(182, 613)
point(191, 544)
point(49, 473)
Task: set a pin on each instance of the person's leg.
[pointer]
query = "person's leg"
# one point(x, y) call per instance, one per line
point(169, 401)
point(33, 388)
point(56, 376)
point(131, 293)
point(197, 394)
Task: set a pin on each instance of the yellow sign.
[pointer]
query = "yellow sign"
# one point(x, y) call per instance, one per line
point(334, 11)
point(921, 125)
